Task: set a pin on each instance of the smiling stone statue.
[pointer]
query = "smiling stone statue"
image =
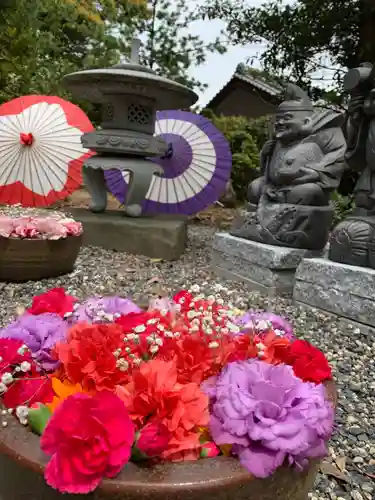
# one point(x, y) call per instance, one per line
point(301, 165)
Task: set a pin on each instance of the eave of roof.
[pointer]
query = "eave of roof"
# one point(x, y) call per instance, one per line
point(272, 90)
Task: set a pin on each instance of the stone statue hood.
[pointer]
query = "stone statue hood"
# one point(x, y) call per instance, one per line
point(295, 99)
point(325, 119)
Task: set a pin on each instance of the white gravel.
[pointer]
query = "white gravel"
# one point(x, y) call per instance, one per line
point(350, 350)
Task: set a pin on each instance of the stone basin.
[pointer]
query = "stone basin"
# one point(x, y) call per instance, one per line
point(22, 463)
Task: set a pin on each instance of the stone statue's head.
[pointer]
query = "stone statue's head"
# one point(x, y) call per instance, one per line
point(293, 115)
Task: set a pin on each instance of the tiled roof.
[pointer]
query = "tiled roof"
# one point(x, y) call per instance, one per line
point(260, 83)
point(273, 90)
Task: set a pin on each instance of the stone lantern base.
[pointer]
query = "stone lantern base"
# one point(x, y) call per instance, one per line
point(160, 237)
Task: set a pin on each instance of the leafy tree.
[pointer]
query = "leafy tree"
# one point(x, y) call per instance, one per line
point(169, 47)
point(39, 46)
point(299, 36)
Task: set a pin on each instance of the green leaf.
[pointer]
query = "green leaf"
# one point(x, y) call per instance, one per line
point(38, 418)
point(137, 455)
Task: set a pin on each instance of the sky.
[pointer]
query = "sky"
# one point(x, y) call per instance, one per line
point(218, 69)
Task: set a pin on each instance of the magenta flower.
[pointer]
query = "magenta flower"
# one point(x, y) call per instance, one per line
point(103, 310)
point(261, 321)
point(268, 415)
point(40, 334)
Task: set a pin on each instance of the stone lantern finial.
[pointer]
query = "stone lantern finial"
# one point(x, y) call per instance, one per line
point(136, 45)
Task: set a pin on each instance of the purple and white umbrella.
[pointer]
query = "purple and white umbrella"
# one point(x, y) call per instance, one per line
point(196, 168)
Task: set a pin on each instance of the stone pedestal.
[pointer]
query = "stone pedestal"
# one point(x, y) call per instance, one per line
point(267, 268)
point(347, 291)
point(160, 237)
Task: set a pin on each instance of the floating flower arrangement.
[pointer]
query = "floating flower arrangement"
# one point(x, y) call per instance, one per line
point(39, 227)
point(104, 383)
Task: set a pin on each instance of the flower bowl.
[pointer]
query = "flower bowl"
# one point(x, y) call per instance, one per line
point(22, 464)
point(140, 404)
point(37, 248)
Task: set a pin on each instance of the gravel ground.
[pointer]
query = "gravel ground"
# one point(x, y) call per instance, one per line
point(350, 350)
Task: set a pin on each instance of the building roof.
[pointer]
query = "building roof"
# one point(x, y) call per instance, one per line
point(267, 91)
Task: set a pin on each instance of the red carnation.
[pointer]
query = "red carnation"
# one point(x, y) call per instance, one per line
point(153, 439)
point(243, 347)
point(146, 334)
point(90, 356)
point(183, 299)
point(129, 322)
point(197, 358)
point(30, 389)
point(28, 386)
point(54, 301)
point(308, 362)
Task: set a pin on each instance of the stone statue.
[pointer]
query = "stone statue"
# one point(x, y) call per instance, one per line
point(353, 240)
point(300, 165)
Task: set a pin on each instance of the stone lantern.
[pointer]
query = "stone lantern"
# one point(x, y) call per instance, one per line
point(129, 94)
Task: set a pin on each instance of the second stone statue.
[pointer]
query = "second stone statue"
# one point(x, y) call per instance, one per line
point(301, 165)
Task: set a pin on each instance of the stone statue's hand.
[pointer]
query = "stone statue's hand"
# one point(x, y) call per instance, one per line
point(305, 175)
point(268, 147)
point(356, 104)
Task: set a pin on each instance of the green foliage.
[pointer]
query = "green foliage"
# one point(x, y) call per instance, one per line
point(38, 417)
point(169, 47)
point(344, 205)
point(246, 138)
point(300, 35)
point(39, 45)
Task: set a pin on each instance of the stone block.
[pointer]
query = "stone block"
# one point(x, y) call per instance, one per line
point(347, 291)
point(267, 268)
point(160, 237)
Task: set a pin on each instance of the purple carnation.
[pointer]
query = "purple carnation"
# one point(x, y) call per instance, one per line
point(260, 321)
point(268, 415)
point(103, 309)
point(40, 334)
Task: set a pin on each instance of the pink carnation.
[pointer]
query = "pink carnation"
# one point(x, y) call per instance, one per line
point(6, 226)
point(47, 228)
point(51, 229)
point(25, 227)
point(72, 227)
point(153, 439)
point(88, 438)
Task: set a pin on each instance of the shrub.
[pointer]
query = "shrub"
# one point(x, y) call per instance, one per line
point(343, 207)
point(246, 138)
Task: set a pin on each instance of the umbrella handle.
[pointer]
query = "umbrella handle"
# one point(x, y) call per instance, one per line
point(169, 152)
point(139, 184)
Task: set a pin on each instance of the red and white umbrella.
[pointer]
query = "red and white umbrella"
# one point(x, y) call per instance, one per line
point(41, 154)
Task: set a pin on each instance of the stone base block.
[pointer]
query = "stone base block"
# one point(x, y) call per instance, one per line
point(347, 291)
point(159, 237)
point(266, 268)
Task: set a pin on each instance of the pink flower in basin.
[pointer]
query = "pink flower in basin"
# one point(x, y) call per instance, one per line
point(51, 229)
point(73, 228)
point(6, 226)
point(25, 227)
